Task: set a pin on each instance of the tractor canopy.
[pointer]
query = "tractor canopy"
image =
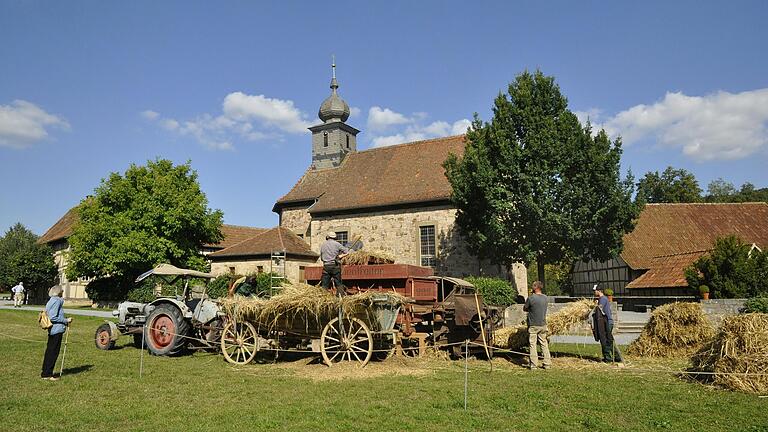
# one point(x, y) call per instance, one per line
point(173, 272)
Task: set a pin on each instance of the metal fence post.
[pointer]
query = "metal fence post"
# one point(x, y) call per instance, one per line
point(141, 360)
point(466, 372)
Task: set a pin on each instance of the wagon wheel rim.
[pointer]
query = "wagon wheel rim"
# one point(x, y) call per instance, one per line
point(239, 342)
point(162, 331)
point(103, 338)
point(354, 344)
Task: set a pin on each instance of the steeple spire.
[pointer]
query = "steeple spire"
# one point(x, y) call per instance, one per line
point(334, 83)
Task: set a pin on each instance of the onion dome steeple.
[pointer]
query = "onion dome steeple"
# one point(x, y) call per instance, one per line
point(334, 108)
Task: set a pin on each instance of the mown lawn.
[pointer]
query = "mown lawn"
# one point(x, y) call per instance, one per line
point(102, 391)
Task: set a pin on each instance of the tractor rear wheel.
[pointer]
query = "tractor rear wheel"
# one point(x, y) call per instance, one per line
point(103, 338)
point(166, 331)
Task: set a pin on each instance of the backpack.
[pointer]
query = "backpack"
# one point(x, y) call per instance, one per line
point(44, 320)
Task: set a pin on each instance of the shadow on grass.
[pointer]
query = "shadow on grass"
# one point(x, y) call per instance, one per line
point(77, 369)
point(589, 357)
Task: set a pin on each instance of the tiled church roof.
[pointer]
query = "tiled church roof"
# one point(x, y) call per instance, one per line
point(409, 173)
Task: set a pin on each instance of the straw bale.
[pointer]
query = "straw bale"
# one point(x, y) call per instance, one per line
point(739, 352)
point(308, 303)
point(675, 329)
point(516, 337)
point(362, 257)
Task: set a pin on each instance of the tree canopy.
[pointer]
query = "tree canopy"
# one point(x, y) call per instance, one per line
point(23, 260)
point(534, 184)
point(720, 190)
point(732, 270)
point(149, 215)
point(671, 186)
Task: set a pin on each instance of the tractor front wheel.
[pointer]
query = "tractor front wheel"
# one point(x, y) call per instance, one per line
point(103, 338)
point(166, 331)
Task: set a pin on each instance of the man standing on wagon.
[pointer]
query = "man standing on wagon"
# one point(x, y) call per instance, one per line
point(331, 252)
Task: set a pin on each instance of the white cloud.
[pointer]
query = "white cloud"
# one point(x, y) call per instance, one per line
point(245, 117)
point(382, 120)
point(23, 124)
point(718, 126)
point(150, 115)
point(354, 112)
point(279, 113)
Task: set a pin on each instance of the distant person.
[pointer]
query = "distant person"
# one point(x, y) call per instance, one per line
point(331, 252)
point(18, 295)
point(536, 306)
point(55, 310)
point(602, 327)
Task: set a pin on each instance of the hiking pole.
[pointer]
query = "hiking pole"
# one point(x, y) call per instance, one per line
point(64, 355)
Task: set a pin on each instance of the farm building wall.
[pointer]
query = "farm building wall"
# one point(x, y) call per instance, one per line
point(73, 290)
point(398, 233)
point(294, 266)
point(614, 274)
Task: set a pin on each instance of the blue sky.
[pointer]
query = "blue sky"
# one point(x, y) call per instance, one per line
point(87, 88)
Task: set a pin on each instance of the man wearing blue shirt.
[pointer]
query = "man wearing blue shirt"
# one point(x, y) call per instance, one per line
point(55, 310)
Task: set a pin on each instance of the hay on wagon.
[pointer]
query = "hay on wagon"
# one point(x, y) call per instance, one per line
point(737, 355)
point(675, 329)
point(516, 337)
point(306, 303)
point(362, 257)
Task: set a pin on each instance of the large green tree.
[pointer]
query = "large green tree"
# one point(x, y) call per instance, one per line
point(149, 215)
point(671, 186)
point(533, 184)
point(23, 260)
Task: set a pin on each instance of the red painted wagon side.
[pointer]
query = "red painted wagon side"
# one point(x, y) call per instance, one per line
point(408, 280)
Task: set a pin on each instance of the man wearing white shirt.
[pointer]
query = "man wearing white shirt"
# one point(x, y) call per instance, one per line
point(18, 294)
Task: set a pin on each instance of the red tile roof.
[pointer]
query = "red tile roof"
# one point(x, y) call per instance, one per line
point(666, 271)
point(401, 174)
point(233, 234)
point(275, 239)
point(674, 229)
point(62, 228)
point(670, 237)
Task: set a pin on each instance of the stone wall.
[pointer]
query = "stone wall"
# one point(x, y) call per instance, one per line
point(718, 309)
point(297, 219)
point(293, 267)
point(397, 233)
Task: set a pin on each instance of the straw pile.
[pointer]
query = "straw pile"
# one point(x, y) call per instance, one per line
point(740, 347)
point(675, 329)
point(362, 257)
point(516, 337)
point(300, 301)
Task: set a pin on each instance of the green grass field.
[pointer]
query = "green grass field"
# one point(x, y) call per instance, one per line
point(102, 391)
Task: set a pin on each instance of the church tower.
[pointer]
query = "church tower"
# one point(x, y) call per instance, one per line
point(333, 139)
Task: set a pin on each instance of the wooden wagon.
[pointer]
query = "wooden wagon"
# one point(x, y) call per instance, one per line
point(351, 335)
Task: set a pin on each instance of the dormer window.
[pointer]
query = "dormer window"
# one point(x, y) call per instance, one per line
point(325, 139)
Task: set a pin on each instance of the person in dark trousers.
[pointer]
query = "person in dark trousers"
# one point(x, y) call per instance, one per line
point(536, 306)
point(602, 327)
point(331, 252)
point(55, 310)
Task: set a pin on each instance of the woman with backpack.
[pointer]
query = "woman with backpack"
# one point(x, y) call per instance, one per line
point(55, 310)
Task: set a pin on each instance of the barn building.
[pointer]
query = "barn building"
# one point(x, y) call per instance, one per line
point(667, 239)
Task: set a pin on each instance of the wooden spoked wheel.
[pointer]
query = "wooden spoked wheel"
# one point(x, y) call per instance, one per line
point(352, 343)
point(239, 342)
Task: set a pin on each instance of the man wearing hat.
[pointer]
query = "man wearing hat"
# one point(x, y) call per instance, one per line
point(18, 295)
point(331, 252)
point(602, 327)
